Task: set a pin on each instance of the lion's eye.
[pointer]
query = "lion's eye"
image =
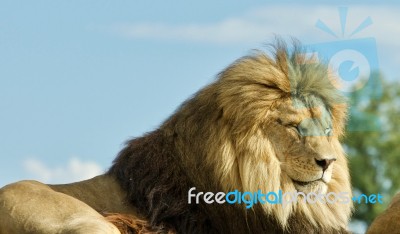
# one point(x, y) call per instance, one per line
point(294, 127)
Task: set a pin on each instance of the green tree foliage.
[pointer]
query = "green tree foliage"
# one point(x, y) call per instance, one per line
point(373, 144)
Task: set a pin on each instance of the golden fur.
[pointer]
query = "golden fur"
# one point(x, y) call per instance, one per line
point(32, 207)
point(248, 130)
point(388, 221)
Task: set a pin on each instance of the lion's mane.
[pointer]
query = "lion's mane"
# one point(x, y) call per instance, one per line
point(212, 143)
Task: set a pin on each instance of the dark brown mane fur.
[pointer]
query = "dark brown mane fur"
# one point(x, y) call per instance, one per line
point(161, 193)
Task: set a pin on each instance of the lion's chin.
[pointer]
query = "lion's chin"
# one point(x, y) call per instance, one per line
point(316, 186)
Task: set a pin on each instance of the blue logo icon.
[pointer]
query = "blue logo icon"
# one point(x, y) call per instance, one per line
point(355, 64)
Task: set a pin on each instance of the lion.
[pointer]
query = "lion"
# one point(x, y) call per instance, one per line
point(388, 221)
point(271, 121)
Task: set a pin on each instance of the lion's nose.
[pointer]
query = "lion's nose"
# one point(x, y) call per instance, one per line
point(324, 163)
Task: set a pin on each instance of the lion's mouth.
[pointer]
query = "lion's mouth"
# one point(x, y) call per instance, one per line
point(305, 183)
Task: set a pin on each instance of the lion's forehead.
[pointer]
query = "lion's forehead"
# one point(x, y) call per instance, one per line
point(310, 114)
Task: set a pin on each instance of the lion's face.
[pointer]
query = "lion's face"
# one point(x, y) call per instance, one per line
point(306, 155)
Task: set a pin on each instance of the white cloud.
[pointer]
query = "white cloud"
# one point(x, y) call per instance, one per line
point(221, 32)
point(253, 26)
point(259, 24)
point(74, 170)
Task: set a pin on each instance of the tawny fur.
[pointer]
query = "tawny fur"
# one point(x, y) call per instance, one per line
point(389, 220)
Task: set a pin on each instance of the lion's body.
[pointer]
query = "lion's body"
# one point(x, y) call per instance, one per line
point(249, 130)
point(32, 207)
point(389, 220)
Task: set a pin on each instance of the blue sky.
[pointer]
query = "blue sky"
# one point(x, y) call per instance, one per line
point(78, 78)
